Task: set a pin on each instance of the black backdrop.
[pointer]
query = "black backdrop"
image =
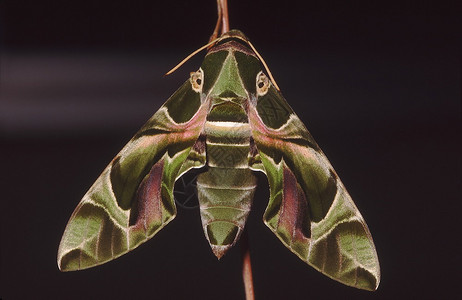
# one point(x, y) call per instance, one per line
point(377, 85)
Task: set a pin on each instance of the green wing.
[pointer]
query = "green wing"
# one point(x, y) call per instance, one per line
point(133, 198)
point(309, 208)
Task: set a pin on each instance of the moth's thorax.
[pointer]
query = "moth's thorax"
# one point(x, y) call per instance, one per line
point(228, 86)
point(230, 69)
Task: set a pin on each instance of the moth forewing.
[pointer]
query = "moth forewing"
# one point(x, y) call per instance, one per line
point(133, 198)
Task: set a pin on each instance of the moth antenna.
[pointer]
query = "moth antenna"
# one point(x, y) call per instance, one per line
point(264, 64)
point(262, 61)
point(191, 55)
point(216, 41)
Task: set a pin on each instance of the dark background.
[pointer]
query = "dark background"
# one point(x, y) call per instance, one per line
point(377, 85)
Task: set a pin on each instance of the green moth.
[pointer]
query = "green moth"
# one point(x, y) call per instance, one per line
point(229, 120)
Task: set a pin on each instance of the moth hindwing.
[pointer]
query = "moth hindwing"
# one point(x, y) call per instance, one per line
point(228, 120)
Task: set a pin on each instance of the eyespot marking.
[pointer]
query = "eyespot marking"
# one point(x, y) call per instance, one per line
point(197, 80)
point(262, 83)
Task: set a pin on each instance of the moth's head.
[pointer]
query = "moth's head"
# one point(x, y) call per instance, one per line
point(234, 34)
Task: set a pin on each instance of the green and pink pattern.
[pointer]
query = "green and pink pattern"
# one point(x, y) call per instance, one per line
point(229, 120)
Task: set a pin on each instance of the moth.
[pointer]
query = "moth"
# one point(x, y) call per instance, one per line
point(229, 120)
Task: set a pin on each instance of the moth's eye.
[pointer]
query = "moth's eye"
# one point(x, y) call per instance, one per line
point(197, 80)
point(263, 84)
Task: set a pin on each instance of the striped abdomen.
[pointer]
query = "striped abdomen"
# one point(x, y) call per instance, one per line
point(226, 188)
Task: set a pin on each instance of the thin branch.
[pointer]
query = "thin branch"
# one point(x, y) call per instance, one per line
point(246, 266)
point(222, 25)
point(214, 35)
point(224, 16)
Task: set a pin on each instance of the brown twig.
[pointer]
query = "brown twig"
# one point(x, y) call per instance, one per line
point(224, 15)
point(222, 25)
point(246, 266)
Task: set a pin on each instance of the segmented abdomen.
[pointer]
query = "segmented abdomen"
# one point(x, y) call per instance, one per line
point(226, 189)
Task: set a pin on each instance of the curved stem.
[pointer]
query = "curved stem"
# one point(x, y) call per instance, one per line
point(222, 25)
point(224, 16)
point(246, 266)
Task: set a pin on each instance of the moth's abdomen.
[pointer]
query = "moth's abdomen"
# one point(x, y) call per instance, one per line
point(226, 189)
point(225, 198)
